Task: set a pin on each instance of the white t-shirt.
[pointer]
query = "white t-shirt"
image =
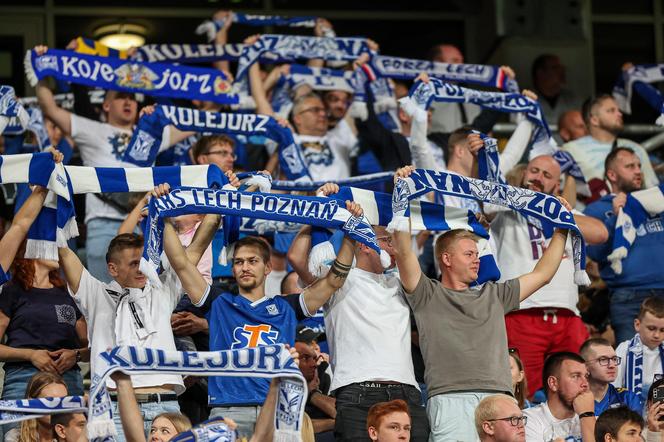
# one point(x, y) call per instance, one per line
point(103, 145)
point(273, 283)
point(332, 162)
point(367, 323)
point(590, 154)
point(99, 301)
point(652, 365)
point(520, 247)
point(543, 426)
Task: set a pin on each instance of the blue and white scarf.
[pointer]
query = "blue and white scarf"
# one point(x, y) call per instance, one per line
point(12, 112)
point(187, 53)
point(213, 430)
point(211, 27)
point(409, 69)
point(24, 409)
point(424, 215)
point(268, 361)
point(356, 181)
point(640, 205)
point(294, 47)
point(321, 212)
point(155, 79)
point(644, 73)
point(422, 94)
point(543, 211)
point(634, 370)
point(145, 142)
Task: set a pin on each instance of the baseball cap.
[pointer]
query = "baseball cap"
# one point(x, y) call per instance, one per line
point(307, 334)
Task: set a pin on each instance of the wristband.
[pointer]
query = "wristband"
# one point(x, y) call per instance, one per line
point(587, 414)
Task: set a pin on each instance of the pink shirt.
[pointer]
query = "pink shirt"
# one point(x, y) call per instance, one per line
point(205, 264)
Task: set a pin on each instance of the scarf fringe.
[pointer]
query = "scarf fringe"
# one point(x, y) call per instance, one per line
point(399, 224)
point(69, 231)
point(101, 428)
point(615, 258)
point(287, 436)
point(29, 71)
point(41, 249)
point(581, 278)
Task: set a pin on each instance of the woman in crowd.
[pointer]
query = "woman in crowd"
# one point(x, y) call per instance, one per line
point(166, 425)
point(41, 385)
point(45, 331)
point(519, 385)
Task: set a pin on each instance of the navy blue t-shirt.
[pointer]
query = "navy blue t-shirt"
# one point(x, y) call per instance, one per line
point(42, 319)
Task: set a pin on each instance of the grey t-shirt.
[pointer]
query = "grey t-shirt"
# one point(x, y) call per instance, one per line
point(462, 335)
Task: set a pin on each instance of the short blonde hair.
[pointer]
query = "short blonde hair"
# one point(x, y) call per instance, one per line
point(448, 239)
point(487, 409)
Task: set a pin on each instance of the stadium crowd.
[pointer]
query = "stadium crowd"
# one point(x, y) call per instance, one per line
point(398, 345)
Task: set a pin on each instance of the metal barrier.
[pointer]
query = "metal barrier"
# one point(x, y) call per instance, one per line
point(655, 141)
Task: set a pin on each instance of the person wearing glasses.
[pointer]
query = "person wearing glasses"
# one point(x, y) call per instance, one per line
point(367, 324)
point(498, 418)
point(602, 364)
point(569, 410)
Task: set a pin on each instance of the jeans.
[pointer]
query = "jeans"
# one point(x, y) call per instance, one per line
point(452, 416)
point(149, 410)
point(244, 417)
point(16, 380)
point(624, 306)
point(354, 401)
point(100, 233)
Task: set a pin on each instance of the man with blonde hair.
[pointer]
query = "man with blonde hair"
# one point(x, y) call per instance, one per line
point(499, 419)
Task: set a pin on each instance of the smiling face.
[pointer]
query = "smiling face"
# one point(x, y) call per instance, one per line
point(542, 175)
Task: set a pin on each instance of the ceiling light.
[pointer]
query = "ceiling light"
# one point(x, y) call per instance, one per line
point(121, 36)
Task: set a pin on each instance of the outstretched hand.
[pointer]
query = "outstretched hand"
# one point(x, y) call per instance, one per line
point(403, 172)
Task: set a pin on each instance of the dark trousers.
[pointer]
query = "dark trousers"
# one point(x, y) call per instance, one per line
point(354, 401)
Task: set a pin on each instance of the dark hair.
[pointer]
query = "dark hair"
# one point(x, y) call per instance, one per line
point(204, 144)
point(589, 105)
point(122, 242)
point(613, 419)
point(585, 347)
point(652, 305)
point(611, 157)
point(540, 62)
point(552, 365)
point(61, 419)
point(378, 411)
point(458, 136)
point(23, 271)
point(256, 242)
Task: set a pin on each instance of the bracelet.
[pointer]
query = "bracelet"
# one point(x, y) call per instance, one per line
point(587, 414)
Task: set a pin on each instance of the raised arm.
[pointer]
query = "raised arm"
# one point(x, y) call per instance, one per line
point(593, 230)
point(192, 281)
point(407, 263)
point(203, 237)
point(23, 219)
point(221, 38)
point(546, 267)
point(298, 255)
point(51, 110)
point(263, 105)
point(130, 414)
point(320, 291)
point(134, 217)
point(71, 267)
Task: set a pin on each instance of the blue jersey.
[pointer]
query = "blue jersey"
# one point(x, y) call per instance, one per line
point(616, 397)
point(639, 269)
point(236, 322)
point(4, 277)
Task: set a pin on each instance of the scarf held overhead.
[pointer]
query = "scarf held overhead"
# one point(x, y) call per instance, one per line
point(211, 27)
point(268, 361)
point(159, 80)
point(544, 211)
point(12, 112)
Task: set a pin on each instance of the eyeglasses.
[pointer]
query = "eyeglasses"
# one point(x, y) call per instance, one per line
point(315, 110)
point(223, 153)
point(515, 421)
point(604, 360)
point(387, 239)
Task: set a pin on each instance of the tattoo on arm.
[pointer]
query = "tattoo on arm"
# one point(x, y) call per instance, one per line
point(339, 270)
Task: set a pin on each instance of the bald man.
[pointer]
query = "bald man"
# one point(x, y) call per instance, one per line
point(549, 320)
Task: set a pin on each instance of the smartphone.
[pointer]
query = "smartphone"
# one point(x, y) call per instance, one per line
point(658, 394)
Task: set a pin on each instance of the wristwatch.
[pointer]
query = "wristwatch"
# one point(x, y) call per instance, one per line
point(587, 414)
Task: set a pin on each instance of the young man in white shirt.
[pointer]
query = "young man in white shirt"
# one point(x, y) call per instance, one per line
point(569, 410)
point(367, 324)
point(101, 144)
point(129, 311)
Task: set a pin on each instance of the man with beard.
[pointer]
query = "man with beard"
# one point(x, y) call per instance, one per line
point(602, 364)
point(641, 275)
point(378, 367)
point(499, 419)
point(549, 320)
point(605, 122)
point(249, 319)
point(568, 412)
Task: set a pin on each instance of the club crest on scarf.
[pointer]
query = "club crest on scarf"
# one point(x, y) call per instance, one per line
point(135, 76)
point(289, 402)
point(141, 147)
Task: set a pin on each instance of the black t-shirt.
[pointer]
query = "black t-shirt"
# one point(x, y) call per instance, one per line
point(43, 319)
